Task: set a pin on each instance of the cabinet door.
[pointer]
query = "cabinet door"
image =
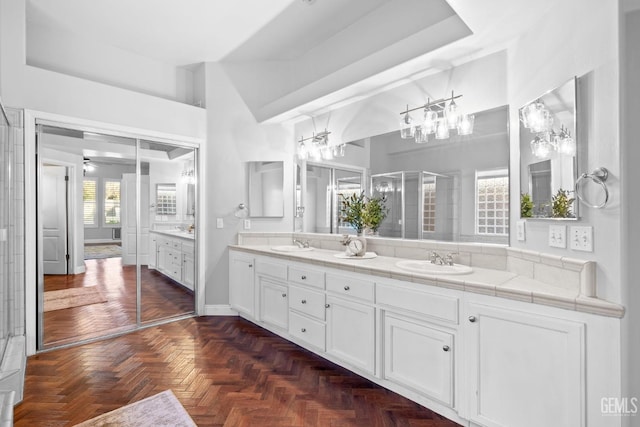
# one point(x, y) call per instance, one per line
point(241, 285)
point(153, 251)
point(419, 356)
point(164, 258)
point(188, 271)
point(351, 333)
point(274, 306)
point(524, 369)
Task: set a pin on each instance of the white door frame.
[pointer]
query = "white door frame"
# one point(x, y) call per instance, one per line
point(30, 169)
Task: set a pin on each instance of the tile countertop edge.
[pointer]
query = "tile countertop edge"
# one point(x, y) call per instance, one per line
point(578, 303)
point(181, 235)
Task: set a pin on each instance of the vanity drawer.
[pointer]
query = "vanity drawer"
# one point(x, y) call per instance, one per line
point(440, 307)
point(307, 301)
point(273, 269)
point(350, 286)
point(307, 330)
point(307, 276)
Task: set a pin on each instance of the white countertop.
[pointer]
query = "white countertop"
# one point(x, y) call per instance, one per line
point(175, 233)
point(498, 283)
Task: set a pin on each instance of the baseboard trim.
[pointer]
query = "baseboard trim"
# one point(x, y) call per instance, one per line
point(219, 310)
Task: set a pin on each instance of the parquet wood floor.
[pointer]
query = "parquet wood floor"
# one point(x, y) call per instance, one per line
point(224, 370)
point(161, 298)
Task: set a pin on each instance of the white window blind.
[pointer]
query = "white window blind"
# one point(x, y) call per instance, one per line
point(89, 199)
point(111, 203)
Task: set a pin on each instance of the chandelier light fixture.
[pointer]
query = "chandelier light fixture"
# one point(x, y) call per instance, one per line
point(440, 118)
point(317, 147)
point(539, 120)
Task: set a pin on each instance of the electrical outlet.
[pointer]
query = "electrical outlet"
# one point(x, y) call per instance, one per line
point(219, 223)
point(521, 233)
point(582, 239)
point(247, 224)
point(558, 236)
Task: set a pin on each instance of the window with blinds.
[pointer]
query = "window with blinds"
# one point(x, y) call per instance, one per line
point(111, 203)
point(89, 200)
point(492, 202)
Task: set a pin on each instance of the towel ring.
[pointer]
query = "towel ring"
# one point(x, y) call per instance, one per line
point(599, 176)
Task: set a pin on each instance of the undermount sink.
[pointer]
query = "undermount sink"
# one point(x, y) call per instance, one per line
point(426, 267)
point(290, 248)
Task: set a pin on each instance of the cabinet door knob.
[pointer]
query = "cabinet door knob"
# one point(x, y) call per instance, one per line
point(445, 348)
point(303, 330)
point(472, 319)
point(284, 295)
point(304, 301)
point(250, 265)
point(303, 277)
point(327, 306)
point(346, 288)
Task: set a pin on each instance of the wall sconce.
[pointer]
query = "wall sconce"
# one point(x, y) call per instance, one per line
point(188, 175)
point(538, 119)
point(439, 119)
point(317, 147)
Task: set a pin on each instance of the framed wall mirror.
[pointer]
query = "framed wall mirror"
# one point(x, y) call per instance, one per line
point(453, 189)
point(548, 154)
point(266, 189)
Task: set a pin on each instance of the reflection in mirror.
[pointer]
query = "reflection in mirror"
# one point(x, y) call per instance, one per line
point(165, 199)
point(266, 191)
point(548, 161)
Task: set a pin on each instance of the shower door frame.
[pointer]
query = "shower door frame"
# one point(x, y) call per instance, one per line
point(32, 317)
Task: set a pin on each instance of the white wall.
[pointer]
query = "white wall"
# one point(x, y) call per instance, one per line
point(546, 57)
point(234, 138)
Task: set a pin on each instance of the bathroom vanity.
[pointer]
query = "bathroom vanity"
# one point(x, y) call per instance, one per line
point(494, 347)
point(172, 254)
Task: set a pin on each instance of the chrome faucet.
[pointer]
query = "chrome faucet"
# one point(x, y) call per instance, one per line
point(448, 258)
point(435, 258)
point(301, 244)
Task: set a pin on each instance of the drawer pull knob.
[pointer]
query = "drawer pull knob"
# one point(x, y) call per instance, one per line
point(284, 295)
point(250, 265)
point(327, 306)
point(304, 301)
point(303, 330)
point(472, 319)
point(445, 348)
point(303, 277)
point(346, 288)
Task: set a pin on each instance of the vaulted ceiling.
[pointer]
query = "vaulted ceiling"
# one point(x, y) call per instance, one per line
point(306, 54)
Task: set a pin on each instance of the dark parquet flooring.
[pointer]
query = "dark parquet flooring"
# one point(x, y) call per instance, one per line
point(161, 298)
point(224, 370)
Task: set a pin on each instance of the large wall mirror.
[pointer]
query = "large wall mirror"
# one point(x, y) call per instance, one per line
point(266, 189)
point(454, 189)
point(548, 155)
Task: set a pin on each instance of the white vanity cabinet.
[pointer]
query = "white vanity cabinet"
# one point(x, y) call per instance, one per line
point(271, 277)
point(174, 257)
point(307, 305)
point(351, 320)
point(524, 369)
point(241, 283)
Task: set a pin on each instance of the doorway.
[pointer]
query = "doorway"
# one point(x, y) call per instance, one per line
point(99, 226)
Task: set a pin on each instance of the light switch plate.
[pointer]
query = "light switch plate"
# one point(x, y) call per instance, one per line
point(558, 236)
point(219, 223)
point(3, 234)
point(247, 224)
point(581, 238)
point(521, 231)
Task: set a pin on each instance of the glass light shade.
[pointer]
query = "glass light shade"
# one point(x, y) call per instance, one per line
point(465, 124)
point(327, 153)
point(442, 129)
point(303, 153)
point(452, 114)
point(536, 117)
point(407, 128)
point(421, 136)
point(315, 153)
point(430, 120)
point(567, 145)
point(540, 147)
point(341, 150)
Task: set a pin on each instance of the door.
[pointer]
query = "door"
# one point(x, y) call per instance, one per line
point(129, 198)
point(54, 219)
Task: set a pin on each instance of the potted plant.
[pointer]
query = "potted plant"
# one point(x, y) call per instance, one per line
point(526, 206)
point(561, 204)
point(374, 213)
point(352, 209)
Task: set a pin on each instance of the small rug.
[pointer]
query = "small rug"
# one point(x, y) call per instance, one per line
point(72, 297)
point(162, 409)
point(102, 251)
